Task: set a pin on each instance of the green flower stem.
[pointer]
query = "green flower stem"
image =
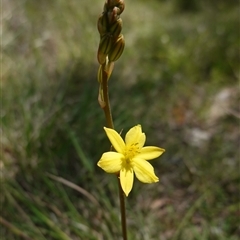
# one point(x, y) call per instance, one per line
point(123, 210)
point(108, 115)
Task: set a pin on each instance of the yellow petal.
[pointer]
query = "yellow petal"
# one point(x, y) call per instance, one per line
point(111, 162)
point(135, 135)
point(149, 153)
point(126, 180)
point(115, 139)
point(144, 171)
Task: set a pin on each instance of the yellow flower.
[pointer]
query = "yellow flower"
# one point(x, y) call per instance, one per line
point(130, 156)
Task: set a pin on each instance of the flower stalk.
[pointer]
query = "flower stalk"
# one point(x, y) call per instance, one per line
point(110, 49)
point(106, 108)
point(109, 121)
point(129, 157)
point(123, 210)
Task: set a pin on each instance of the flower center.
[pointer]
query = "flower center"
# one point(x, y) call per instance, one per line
point(130, 152)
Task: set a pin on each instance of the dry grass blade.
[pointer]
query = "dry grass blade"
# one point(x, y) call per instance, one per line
point(75, 187)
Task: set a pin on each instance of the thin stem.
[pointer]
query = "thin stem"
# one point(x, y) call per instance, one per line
point(123, 211)
point(108, 115)
point(106, 108)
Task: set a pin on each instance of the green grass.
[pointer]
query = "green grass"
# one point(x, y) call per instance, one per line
point(178, 77)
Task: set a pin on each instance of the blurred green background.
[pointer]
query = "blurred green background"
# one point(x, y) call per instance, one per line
point(178, 77)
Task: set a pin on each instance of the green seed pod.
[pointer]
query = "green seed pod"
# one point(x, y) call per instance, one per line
point(116, 28)
point(117, 49)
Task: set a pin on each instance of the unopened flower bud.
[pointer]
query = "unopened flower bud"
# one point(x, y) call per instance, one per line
point(117, 49)
point(105, 46)
point(112, 15)
point(102, 24)
point(120, 6)
point(116, 28)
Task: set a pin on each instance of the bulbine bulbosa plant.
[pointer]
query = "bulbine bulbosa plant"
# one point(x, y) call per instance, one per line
point(127, 157)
